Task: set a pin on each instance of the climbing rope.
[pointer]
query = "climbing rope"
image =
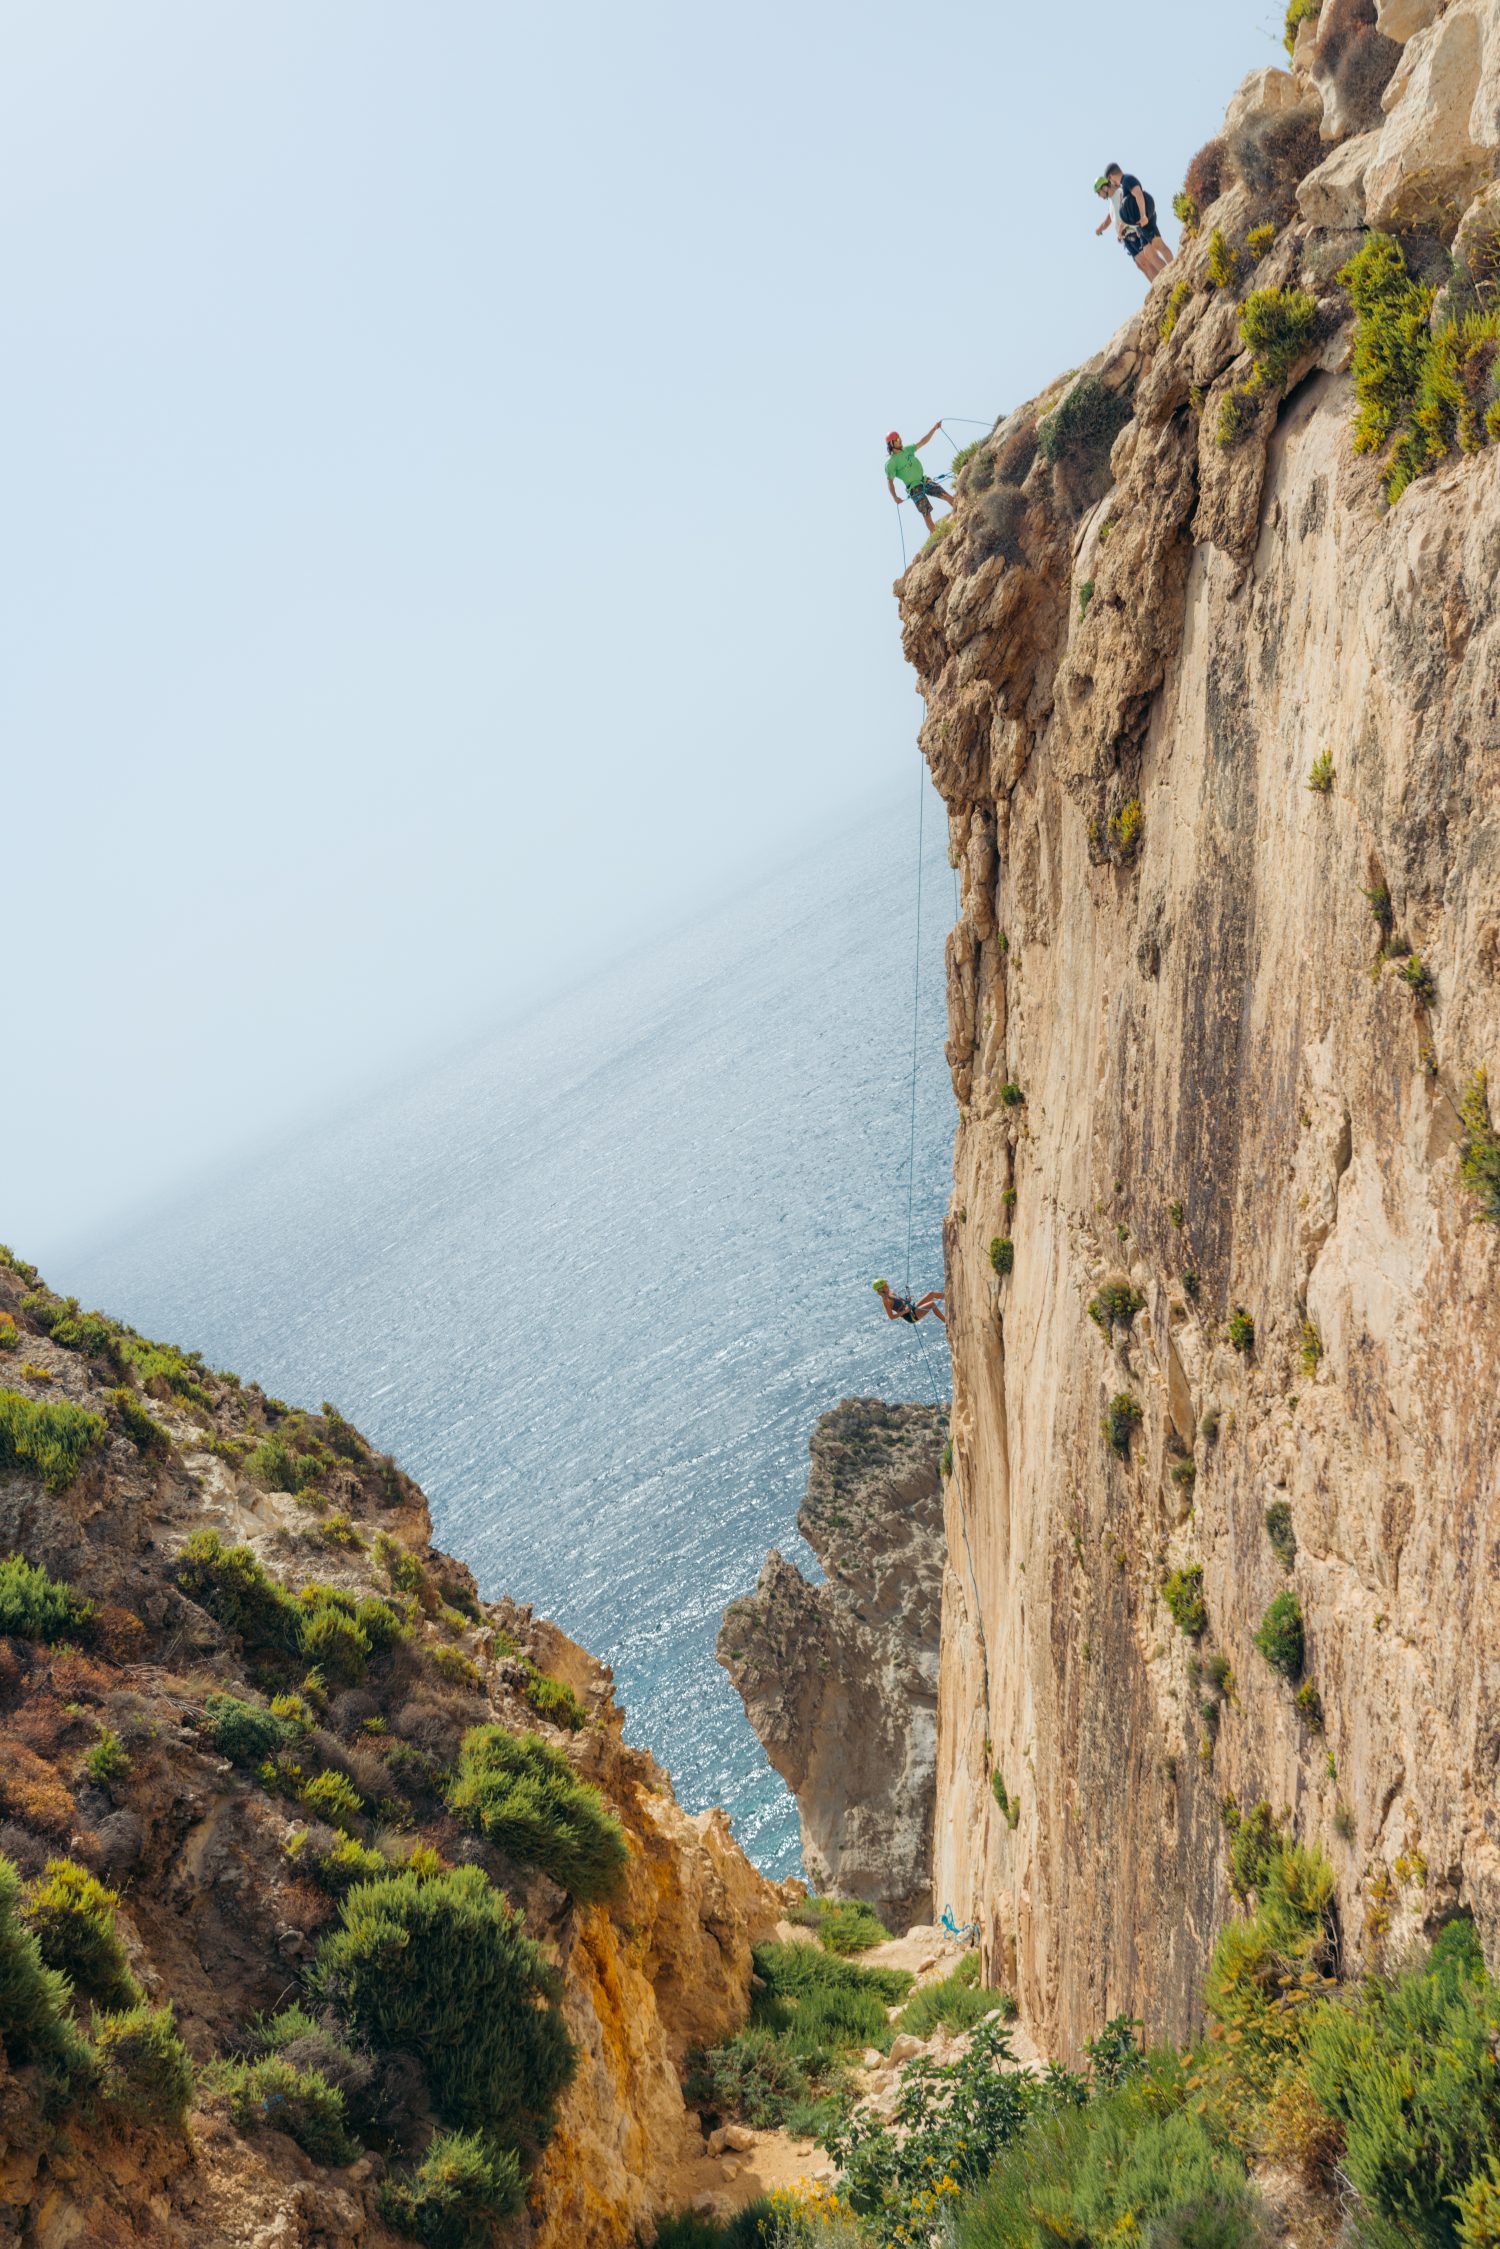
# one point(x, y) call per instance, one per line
point(916, 1019)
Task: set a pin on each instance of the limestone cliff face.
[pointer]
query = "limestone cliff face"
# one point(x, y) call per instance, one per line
point(1187, 1073)
point(217, 1917)
point(840, 1679)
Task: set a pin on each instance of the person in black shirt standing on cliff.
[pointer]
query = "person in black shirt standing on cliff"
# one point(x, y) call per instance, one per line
point(1134, 214)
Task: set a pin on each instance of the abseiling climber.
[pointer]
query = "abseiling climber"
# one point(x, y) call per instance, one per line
point(1134, 214)
point(901, 461)
point(904, 1308)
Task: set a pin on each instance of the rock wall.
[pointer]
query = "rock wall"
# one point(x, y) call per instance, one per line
point(217, 1918)
point(1191, 1070)
point(840, 1679)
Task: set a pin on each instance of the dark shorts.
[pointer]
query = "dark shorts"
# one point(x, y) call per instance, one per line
point(926, 490)
point(1138, 237)
point(905, 1310)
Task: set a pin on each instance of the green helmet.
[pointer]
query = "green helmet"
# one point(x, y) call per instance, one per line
point(1101, 184)
point(877, 1286)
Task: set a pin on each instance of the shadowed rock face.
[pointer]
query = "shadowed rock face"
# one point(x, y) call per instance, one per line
point(1238, 1091)
point(840, 1679)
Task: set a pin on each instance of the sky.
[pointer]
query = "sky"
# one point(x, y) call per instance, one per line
point(443, 539)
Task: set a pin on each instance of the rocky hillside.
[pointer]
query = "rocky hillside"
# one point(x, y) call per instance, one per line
point(334, 1908)
point(840, 1679)
point(1211, 659)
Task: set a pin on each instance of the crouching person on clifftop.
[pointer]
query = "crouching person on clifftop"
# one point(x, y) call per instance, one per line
point(901, 461)
point(1134, 215)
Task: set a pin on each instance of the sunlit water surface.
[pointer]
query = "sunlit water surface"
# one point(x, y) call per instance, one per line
point(593, 1279)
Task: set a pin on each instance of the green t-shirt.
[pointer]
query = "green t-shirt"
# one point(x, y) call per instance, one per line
point(906, 465)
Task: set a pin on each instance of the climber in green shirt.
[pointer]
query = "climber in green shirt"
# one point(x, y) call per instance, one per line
point(901, 461)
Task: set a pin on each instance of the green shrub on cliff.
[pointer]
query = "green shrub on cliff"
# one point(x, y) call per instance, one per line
point(525, 1798)
point(461, 2190)
point(273, 2094)
point(842, 1925)
point(35, 1606)
point(46, 1437)
point(1122, 1418)
point(145, 2073)
point(1479, 1148)
point(1183, 1594)
point(1085, 424)
point(1281, 1638)
point(440, 1967)
point(72, 1917)
point(957, 2003)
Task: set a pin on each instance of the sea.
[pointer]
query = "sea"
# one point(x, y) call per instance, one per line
point(593, 1278)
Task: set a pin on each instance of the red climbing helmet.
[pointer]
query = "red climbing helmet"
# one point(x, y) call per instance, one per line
point(893, 441)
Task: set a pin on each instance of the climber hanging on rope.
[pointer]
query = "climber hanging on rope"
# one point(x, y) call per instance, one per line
point(1133, 212)
point(901, 461)
point(904, 1308)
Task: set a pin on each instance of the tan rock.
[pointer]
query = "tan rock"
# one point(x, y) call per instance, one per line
point(839, 1680)
point(1402, 19)
point(1267, 93)
point(1334, 195)
point(1426, 165)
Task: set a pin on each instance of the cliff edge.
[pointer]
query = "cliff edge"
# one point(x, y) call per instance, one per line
point(1211, 659)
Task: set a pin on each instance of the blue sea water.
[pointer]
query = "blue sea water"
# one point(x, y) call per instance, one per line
point(593, 1280)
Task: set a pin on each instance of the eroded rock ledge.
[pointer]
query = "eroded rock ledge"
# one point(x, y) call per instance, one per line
point(840, 1679)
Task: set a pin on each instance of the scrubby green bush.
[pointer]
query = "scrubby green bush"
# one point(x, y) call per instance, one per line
point(1408, 2069)
point(1122, 1418)
point(179, 1371)
point(35, 2023)
point(10, 1334)
point(244, 1732)
point(272, 2094)
point(822, 2004)
point(454, 1667)
point(759, 2225)
point(229, 1582)
point(1278, 326)
point(1177, 303)
point(1116, 2170)
point(108, 1760)
point(1011, 1094)
point(403, 1569)
point(344, 1863)
point(1297, 14)
point(757, 2078)
point(441, 1967)
point(1320, 774)
point(526, 1798)
point(460, 2191)
point(276, 1467)
point(1479, 1148)
point(957, 2003)
point(1085, 423)
point(1281, 1638)
point(842, 1925)
point(47, 1437)
point(333, 1797)
point(35, 1606)
point(146, 1434)
point(1183, 1594)
point(1010, 1806)
point(1003, 1254)
point(554, 1700)
point(335, 1643)
point(145, 2071)
point(1116, 1305)
point(1241, 1330)
point(1279, 1531)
